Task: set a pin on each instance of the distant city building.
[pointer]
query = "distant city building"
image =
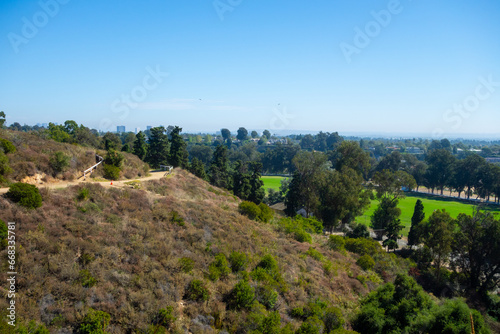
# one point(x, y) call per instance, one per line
point(148, 127)
point(120, 128)
point(137, 130)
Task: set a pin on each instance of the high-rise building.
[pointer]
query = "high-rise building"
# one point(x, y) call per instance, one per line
point(137, 130)
point(148, 127)
point(120, 128)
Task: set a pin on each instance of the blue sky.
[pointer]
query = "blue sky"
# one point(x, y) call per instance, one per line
point(395, 67)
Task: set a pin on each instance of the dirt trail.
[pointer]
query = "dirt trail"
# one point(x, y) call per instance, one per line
point(154, 175)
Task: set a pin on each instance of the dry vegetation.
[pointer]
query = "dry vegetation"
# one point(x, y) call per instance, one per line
point(119, 251)
point(31, 161)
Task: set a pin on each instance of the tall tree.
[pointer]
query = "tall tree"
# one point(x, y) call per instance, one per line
point(476, 250)
point(158, 147)
point(178, 155)
point(293, 198)
point(440, 170)
point(349, 154)
point(197, 168)
point(257, 192)
point(438, 237)
point(267, 134)
point(219, 173)
point(226, 134)
point(140, 146)
point(242, 134)
point(112, 141)
point(254, 134)
point(2, 119)
point(416, 224)
point(241, 180)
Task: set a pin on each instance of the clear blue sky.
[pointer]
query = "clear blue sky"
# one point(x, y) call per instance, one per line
point(279, 65)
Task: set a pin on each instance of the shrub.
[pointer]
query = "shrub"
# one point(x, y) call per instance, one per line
point(165, 317)
point(7, 146)
point(86, 278)
point(336, 242)
point(366, 262)
point(241, 296)
point(176, 218)
point(362, 246)
point(302, 236)
point(32, 328)
point(94, 322)
point(59, 162)
point(4, 167)
point(218, 268)
point(313, 325)
point(111, 172)
point(268, 263)
point(315, 254)
point(238, 261)
point(113, 158)
point(267, 296)
point(249, 209)
point(333, 319)
point(197, 291)
point(266, 213)
point(186, 264)
point(26, 195)
point(83, 194)
point(359, 231)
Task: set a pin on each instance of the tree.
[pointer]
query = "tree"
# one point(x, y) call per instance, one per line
point(70, 127)
point(476, 250)
point(158, 147)
point(393, 184)
point(242, 134)
point(385, 215)
point(197, 168)
point(241, 181)
point(58, 133)
point(293, 198)
point(24, 194)
point(178, 156)
point(349, 154)
point(416, 227)
point(219, 173)
point(254, 134)
point(203, 153)
point(471, 165)
point(111, 141)
point(438, 237)
point(307, 142)
point(59, 162)
point(267, 134)
point(392, 229)
point(257, 191)
point(226, 134)
point(440, 168)
point(140, 145)
point(418, 172)
point(2, 119)
point(392, 162)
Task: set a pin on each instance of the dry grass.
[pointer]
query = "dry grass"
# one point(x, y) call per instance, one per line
point(126, 240)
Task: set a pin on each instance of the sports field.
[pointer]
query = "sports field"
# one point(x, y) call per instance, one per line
point(272, 182)
point(430, 203)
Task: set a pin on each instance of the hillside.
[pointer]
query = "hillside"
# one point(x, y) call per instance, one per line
point(119, 250)
point(31, 162)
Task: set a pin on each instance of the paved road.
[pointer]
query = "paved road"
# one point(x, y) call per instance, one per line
point(154, 175)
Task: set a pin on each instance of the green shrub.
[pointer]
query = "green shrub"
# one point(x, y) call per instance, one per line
point(266, 213)
point(267, 296)
point(238, 261)
point(176, 218)
point(7, 146)
point(197, 291)
point(336, 243)
point(26, 195)
point(59, 162)
point(312, 325)
point(453, 316)
point(366, 262)
point(359, 231)
point(111, 172)
point(87, 279)
point(4, 167)
point(113, 158)
point(165, 317)
point(241, 296)
point(302, 236)
point(83, 194)
point(94, 322)
point(32, 328)
point(315, 254)
point(268, 263)
point(362, 246)
point(219, 268)
point(249, 209)
point(333, 319)
point(186, 264)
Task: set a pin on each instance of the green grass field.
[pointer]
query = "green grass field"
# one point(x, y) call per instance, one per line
point(272, 182)
point(430, 203)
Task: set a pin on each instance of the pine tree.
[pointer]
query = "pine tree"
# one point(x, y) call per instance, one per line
point(178, 156)
point(198, 169)
point(158, 147)
point(140, 145)
point(416, 220)
point(257, 192)
point(241, 181)
point(293, 198)
point(219, 174)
